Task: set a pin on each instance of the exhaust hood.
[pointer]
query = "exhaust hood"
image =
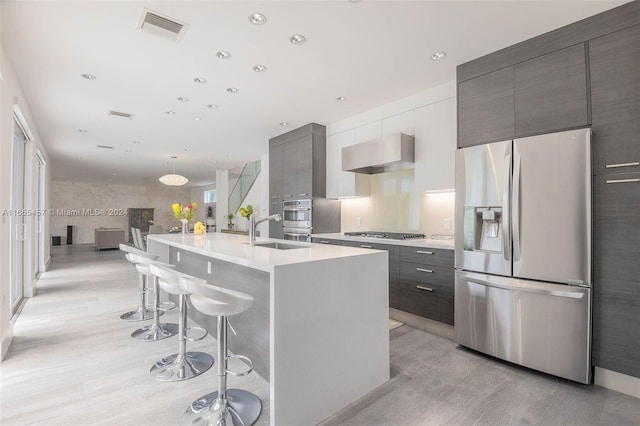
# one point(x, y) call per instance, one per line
point(390, 153)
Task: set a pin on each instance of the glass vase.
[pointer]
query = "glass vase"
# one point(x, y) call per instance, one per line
point(185, 226)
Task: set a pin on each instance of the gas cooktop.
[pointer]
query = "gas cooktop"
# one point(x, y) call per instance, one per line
point(389, 235)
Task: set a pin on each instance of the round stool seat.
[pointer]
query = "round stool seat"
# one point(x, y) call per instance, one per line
point(215, 301)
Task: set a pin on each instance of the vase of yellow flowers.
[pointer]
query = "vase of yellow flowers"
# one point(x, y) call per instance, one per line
point(184, 214)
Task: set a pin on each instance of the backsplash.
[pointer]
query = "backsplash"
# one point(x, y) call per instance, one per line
point(395, 205)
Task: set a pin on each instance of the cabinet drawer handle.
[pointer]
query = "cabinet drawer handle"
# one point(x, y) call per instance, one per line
point(365, 246)
point(612, 166)
point(288, 196)
point(622, 180)
point(424, 270)
point(324, 242)
point(302, 195)
point(421, 287)
point(424, 252)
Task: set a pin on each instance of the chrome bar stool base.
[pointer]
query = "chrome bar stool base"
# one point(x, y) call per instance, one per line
point(242, 409)
point(175, 368)
point(138, 315)
point(155, 332)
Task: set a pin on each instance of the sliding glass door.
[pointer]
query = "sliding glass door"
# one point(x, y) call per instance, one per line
point(17, 219)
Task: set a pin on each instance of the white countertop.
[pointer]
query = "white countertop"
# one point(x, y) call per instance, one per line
point(424, 242)
point(236, 249)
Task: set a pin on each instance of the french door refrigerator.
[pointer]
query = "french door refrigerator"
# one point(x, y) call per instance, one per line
point(523, 251)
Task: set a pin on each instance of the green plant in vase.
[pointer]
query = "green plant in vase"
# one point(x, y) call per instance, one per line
point(229, 217)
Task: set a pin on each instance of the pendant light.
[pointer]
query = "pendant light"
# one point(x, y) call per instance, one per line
point(173, 179)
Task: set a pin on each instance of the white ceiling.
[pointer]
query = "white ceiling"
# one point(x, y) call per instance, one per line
point(372, 52)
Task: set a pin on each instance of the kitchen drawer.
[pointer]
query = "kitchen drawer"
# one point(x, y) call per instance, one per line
point(439, 280)
point(326, 241)
point(427, 256)
point(434, 304)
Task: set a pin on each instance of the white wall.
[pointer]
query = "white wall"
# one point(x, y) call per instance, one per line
point(11, 94)
point(108, 196)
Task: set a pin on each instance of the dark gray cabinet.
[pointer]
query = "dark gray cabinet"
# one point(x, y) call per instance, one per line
point(276, 164)
point(297, 170)
point(485, 108)
point(551, 92)
point(394, 268)
point(616, 266)
point(615, 101)
point(427, 283)
point(319, 240)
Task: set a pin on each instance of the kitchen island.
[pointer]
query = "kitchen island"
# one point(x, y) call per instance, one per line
point(318, 329)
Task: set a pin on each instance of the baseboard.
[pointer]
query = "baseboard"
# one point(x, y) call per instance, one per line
point(430, 326)
point(47, 263)
point(617, 381)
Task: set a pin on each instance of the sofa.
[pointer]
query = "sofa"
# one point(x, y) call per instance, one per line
point(109, 238)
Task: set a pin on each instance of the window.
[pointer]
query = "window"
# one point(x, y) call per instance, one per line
point(210, 196)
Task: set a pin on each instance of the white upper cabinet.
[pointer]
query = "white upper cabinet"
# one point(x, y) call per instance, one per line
point(400, 123)
point(435, 133)
point(346, 184)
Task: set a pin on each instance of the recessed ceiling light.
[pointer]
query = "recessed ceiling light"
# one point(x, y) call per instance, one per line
point(82, 130)
point(115, 174)
point(197, 118)
point(89, 76)
point(232, 90)
point(259, 68)
point(341, 98)
point(257, 19)
point(170, 112)
point(135, 142)
point(297, 39)
point(223, 54)
point(212, 106)
point(183, 99)
point(438, 55)
point(200, 80)
point(284, 123)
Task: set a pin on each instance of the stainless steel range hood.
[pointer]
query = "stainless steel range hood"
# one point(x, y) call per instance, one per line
point(390, 153)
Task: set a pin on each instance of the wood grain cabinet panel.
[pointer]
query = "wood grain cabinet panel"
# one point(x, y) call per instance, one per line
point(616, 282)
point(485, 108)
point(615, 101)
point(551, 92)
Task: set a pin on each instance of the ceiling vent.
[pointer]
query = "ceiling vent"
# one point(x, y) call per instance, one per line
point(105, 147)
point(161, 25)
point(119, 114)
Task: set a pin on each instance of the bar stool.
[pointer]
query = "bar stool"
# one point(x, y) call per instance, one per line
point(182, 365)
point(142, 313)
point(157, 330)
point(226, 406)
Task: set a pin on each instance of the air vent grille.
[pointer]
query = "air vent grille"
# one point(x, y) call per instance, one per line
point(119, 114)
point(105, 147)
point(161, 25)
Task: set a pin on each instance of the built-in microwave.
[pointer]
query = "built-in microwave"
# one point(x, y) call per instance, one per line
point(297, 214)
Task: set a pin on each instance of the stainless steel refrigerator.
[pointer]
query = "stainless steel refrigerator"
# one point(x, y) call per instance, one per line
point(523, 252)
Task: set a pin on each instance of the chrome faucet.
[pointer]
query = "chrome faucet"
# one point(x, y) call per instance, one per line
point(253, 223)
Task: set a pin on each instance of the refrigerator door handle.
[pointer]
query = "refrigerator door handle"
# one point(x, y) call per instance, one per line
point(546, 292)
point(516, 207)
point(506, 237)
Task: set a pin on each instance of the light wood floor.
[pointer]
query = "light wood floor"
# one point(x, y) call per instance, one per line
point(73, 363)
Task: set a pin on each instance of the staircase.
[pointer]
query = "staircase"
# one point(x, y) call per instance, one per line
point(243, 185)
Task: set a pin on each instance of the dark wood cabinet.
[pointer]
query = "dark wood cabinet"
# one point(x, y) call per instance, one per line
point(551, 92)
point(485, 108)
point(615, 101)
point(616, 266)
point(427, 283)
point(394, 268)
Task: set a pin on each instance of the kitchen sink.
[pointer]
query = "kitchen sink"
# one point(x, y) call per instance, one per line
point(280, 246)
